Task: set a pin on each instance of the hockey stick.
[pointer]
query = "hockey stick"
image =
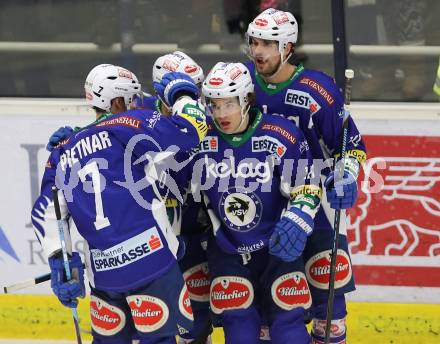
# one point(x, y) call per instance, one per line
point(66, 261)
point(349, 74)
point(25, 284)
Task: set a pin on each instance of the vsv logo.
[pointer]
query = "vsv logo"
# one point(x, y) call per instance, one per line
point(6, 246)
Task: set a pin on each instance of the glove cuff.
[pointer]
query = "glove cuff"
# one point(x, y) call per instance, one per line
point(303, 224)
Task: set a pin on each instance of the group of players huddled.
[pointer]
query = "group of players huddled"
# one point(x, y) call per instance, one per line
point(208, 204)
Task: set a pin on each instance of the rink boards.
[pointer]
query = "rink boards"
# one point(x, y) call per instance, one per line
point(394, 232)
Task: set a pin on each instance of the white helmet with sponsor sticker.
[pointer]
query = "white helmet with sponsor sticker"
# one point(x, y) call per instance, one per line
point(106, 82)
point(229, 80)
point(275, 25)
point(177, 62)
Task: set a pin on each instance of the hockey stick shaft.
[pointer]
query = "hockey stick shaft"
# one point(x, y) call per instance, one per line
point(65, 258)
point(25, 284)
point(349, 74)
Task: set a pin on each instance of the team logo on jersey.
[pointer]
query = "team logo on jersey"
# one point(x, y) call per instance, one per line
point(302, 99)
point(291, 290)
point(185, 304)
point(318, 269)
point(303, 146)
point(106, 319)
point(149, 313)
point(261, 22)
point(268, 144)
point(197, 281)
point(215, 81)
point(190, 69)
point(240, 210)
point(230, 292)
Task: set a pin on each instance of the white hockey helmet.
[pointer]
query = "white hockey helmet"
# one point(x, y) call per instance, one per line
point(229, 80)
point(177, 62)
point(106, 82)
point(274, 25)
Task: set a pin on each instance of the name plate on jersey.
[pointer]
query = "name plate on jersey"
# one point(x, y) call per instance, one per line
point(128, 251)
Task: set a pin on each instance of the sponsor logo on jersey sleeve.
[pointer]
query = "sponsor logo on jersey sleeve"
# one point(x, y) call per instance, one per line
point(318, 269)
point(230, 292)
point(106, 319)
point(291, 290)
point(268, 144)
point(319, 88)
point(240, 210)
point(197, 282)
point(301, 99)
point(281, 131)
point(126, 121)
point(128, 251)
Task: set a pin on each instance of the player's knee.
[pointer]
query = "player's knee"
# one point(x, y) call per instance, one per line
point(241, 326)
point(287, 325)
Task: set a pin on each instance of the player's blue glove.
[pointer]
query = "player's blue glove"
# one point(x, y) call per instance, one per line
point(341, 194)
point(290, 234)
point(174, 85)
point(67, 291)
point(59, 135)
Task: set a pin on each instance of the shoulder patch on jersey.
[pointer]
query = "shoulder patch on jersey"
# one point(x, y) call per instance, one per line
point(126, 121)
point(240, 210)
point(197, 281)
point(291, 290)
point(302, 99)
point(107, 320)
point(268, 144)
point(319, 88)
point(149, 313)
point(185, 304)
point(318, 269)
point(279, 130)
point(230, 292)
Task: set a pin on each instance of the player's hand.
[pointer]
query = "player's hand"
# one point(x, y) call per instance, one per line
point(58, 136)
point(175, 85)
point(67, 291)
point(341, 192)
point(289, 237)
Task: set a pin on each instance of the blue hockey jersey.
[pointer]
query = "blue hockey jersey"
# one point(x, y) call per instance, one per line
point(312, 101)
point(114, 192)
point(248, 179)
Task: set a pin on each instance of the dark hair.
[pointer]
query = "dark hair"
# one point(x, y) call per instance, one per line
point(252, 99)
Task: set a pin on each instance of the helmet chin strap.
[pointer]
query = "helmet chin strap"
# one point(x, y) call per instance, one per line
point(278, 69)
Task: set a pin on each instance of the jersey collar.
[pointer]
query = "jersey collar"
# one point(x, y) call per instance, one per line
point(236, 140)
point(271, 89)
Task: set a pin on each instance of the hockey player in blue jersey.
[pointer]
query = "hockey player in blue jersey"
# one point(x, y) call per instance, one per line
point(254, 173)
point(189, 221)
point(311, 100)
point(137, 289)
